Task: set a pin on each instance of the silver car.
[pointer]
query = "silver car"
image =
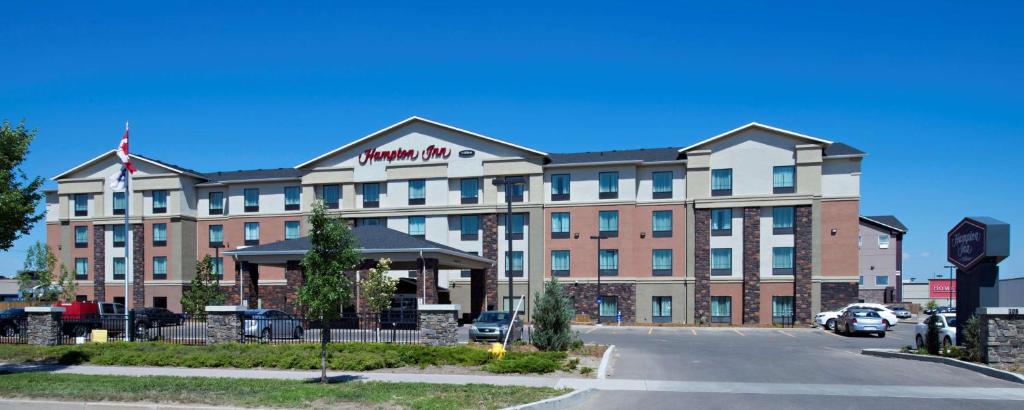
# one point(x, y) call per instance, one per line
point(860, 321)
point(269, 324)
point(493, 325)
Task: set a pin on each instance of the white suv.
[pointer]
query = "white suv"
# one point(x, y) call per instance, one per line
point(828, 319)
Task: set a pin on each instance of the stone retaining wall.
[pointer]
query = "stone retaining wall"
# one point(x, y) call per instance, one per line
point(1002, 337)
point(438, 327)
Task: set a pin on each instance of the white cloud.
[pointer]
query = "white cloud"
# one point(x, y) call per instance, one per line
point(906, 256)
point(926, 254)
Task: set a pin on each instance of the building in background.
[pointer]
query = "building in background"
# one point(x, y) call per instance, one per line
point(881, 259)
point(1011, 292)
point(757, 225)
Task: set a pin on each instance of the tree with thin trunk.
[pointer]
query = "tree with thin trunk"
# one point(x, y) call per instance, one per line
point(68, 284)
point(36, 277)
point(378, 289)
point(326, 289)
point(18, 194)
point(204, 290)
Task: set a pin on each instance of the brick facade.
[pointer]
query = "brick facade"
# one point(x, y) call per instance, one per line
point(427, 267)
point(99, 264)
point(802, 265)
point(584, 296)
point(138, 265)
point(835, 295)
point(489, 224)
point(751, 265)
point(702, 266)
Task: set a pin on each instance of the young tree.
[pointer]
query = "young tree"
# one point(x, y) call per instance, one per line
point(37, 271)
point(378, 289)
point(203, 291)
point(68, 285)
point(552, 318)
point(327, 289)
point(18, 194)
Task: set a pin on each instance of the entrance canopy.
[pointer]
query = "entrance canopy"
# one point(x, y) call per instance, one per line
point(373, 242)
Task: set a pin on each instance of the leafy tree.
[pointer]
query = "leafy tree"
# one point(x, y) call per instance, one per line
point(972, 339)
point(37, 271)
point(552, 318)
point(203, 291)
point(932, 305)
point(327, 289)
point(68, 285)
point(378, 289)
point(18, 194)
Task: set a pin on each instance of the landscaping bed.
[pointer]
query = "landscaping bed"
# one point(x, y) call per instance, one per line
point(266, 393)
point(521, 359)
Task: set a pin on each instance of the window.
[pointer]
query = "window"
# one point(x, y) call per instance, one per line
point(560, 263)
point(782, 220)
point(608, 185)
point(118, 300)
point(661, 261)
point(467, 273)
point(417, 192)
point(469, 226)
point(881, 281)
point(119, 203)
point(119, 236)
point(661, 309)
point(218, 268)
point(783, 179)
point(721, 309)
point(216, 236)
point(252, 199)
point(417, 226)
point(216, 206)
point(371, 195)
point(81, 268)
point(369, 222)
point(608, 262)
point(515, 302)
point(516, 267)
point(293, 197)
point(860, 281)
point(782, 310)
point(517, 189)
point(721, 262)
point(470, 190)
point(81, 236)
point(81, 298)
point(721, 182)
point(559, 225)
point(515, 231)
point(883, 241)
point(661, 224)
point(721, 222)
point(291, 229)
point(160, 302)
point(159, 202)
point(159, 234)
point(609, 307)
point(81, 205)
point(661, 184)
point(252, 233)
point(560, 187)
point(782, 260)
point(119, 269)
point(608, 223)
point(159, 267)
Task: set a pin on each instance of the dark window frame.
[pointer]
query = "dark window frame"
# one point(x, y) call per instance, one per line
point(216, 244)
point(561, 196)
point(662, 194)
point(515, 273)
point(113, 203)
point(723, 319)
point(562, 273)
point(157, 243)
point(159, 276)
point(608, 272)
point(299, 235)
point(251, 208)
point(82, 244)
point(417, 201)
point(784, 189)
point(85, 210)
point(608, 234)
point(163, 209)
point(721, 232)
point(297, 206)
point(113, 268)
point(113, 236)
point(209, 205)
point(469, 236)
point(408, 227)
point(722, 191)
point(251, 242)
point(608, 194)
point(662, 272)
point(662, 233)
point(561, 235)
point(508, 229)
point(85, 275)
point(720, 271)
point(371, 204)
point(661, 318)
point(476, 191)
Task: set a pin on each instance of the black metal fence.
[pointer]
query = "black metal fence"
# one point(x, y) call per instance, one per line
point(389, 327)
point(14, 330)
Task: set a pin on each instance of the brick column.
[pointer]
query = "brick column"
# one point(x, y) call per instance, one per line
point(223, 324)
point(802, 266)
point(99, 264)
point(44, 325)
point(702, 266)
point(426, 279)
point(751, 265)
point(138, 265)
point(490, 251)
point(293, 280)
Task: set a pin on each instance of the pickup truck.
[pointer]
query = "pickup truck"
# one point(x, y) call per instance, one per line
point(80, 318)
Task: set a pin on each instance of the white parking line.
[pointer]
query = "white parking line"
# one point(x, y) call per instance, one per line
point(591, 330)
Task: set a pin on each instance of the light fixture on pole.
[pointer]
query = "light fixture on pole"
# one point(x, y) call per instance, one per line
point(510, 184)
point(598, 238)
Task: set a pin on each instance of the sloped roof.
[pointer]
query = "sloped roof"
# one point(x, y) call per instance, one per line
point(840, 149)
point(254, 174)
point(888, 221)
point(758, 126)
point(168, 166)
point(642, 154)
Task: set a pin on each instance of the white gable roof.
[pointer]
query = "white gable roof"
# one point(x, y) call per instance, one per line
point(411, 120)
point(761, 126)
point(134, 157)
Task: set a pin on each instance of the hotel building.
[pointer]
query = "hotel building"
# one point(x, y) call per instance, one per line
point(757, 225)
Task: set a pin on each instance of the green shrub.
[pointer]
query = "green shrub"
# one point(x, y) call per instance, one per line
point(572, 364)
point(552, 320)
point(523, 364)
point(586, 371)
point(972, 339)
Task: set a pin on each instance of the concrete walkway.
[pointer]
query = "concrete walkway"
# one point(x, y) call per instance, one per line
point(929, 392)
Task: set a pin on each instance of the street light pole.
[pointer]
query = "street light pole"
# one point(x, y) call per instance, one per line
point(509, 183)
point(598, 238)
point(952, 283)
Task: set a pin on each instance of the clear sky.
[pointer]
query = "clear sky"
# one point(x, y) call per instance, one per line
point(931, 90)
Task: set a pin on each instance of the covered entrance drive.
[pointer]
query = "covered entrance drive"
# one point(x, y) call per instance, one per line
point(407, 254)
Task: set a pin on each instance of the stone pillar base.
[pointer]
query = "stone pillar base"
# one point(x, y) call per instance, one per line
point(224, 324)
point(1002, 335)
point(438, 324)
point(44, 325)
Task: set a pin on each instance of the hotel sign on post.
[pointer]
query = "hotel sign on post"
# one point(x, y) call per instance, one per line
point(966, 244)
point(975, 246)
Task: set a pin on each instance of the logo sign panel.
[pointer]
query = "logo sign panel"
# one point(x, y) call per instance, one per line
point(941, 288)
point(372, 155)
point(966, 244)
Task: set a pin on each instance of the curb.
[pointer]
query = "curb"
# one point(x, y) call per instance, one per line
point(978, 368)
point(602, 369)
point(561, 402)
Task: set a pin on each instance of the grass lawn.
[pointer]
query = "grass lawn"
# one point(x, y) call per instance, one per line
point(265, 393)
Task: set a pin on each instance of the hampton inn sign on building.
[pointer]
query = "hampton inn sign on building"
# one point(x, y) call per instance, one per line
point(755, 225)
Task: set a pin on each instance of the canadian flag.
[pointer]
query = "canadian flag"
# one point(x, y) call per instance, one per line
point(122, 151)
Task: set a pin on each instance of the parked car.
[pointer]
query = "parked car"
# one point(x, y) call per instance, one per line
point(947, 329)
point(154, 317)
point(940, 309)
point(11, 321)
point(828, 319)
point(854, 321)
point(900, 311)
point(493, 325)
point(269, 324)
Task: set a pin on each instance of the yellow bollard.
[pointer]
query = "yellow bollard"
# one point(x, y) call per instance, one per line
point(497, 351)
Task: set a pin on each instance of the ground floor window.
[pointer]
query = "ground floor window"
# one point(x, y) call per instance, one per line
point(609, 307)
point(782, 310)
point(119, 300)
point(721, 309)
point(661, 309)
point(515, 302)
point(160, 302)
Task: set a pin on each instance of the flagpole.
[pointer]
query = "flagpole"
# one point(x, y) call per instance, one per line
point(130, 241)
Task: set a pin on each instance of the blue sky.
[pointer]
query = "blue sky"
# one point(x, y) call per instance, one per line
point(931, 90)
